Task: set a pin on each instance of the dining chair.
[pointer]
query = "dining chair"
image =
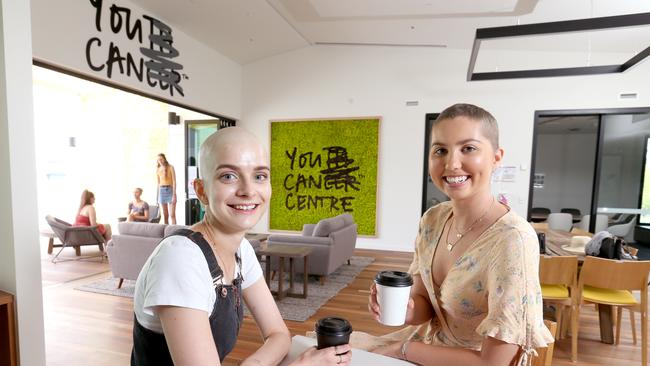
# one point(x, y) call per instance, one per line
point(601, 223)
point(539, 213)
point(572, 211)
point(575, 213)
point(545, 355)
point(611, 282)
point(560, 221)
point(624, 230)
point(558, 276)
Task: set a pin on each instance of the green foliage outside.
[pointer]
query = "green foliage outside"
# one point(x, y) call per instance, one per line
point(322, 168)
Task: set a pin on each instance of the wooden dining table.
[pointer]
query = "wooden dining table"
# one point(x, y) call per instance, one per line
point(555, 240)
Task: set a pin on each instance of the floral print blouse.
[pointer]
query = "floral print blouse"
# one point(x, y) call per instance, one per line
point(491, 290)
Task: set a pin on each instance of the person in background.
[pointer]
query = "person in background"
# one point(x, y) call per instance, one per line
point(86, 215)
point(190, 294)
point(138, 209)
point(166, 188)
point(476, 288)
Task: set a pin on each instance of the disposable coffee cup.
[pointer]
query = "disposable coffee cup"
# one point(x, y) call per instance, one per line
point(332, 332)
point(393, 292)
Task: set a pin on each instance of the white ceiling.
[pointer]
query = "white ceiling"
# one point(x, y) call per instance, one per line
point(249, 30)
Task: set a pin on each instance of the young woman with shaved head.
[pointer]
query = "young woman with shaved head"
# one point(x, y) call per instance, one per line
point(190, 294)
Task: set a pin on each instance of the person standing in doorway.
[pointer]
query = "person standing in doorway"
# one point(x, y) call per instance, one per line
point(166, 189)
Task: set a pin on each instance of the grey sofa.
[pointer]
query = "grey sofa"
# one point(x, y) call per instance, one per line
point(128, 250)
point(332, 241)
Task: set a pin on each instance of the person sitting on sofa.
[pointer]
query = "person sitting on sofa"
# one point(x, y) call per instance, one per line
point(87, 216)
point(138, 209)
point(188, 295)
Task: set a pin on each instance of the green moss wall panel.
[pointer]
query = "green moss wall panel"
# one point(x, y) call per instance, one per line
point(322, 168)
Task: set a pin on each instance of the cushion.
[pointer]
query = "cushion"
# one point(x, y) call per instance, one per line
point(601, 295)
point(347, 218)
point(326, 226)
point(555, 292)
point(170, 229)
point(308, 229)
point(141, 229)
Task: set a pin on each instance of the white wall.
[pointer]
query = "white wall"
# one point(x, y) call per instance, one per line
point(20, 270)
point(329, 81)
point(62, 29)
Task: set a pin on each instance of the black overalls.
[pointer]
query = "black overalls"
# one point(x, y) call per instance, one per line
point(150, 348)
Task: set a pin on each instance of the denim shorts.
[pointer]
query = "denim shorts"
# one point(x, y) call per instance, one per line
point(165, 194)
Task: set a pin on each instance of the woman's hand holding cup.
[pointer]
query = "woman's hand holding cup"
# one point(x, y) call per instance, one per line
point(373, 305)
point(396, 288)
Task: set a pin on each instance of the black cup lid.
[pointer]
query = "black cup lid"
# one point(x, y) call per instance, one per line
point(394, 279)
point(332, 326)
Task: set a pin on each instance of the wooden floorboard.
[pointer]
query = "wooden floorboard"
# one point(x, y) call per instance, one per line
point(83, 328)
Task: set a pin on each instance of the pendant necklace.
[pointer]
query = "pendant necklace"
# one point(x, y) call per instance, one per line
point(460, 233)
point(224, 291)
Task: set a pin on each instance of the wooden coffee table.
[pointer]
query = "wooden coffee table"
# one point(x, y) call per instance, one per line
point(262, 237)
point(281, 252)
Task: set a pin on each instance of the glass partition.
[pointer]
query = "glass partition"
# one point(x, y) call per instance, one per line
point(623, 159)
point(431, 195)
point(592, 163)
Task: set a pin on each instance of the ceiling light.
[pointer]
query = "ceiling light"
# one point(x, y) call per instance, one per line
point(591, 24)
point(380, 44)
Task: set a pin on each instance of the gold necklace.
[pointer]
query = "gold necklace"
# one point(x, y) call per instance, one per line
point(213, 244)
point(460, 233)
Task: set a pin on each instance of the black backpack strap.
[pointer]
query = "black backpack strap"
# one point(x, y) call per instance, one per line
point(215, 271)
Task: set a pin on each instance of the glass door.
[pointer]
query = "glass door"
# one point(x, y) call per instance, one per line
point(592, 164)
point(564, 166)
point(431, 195)
point(196, 131)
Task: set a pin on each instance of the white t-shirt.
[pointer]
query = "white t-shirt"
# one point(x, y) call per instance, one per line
point(177, 274)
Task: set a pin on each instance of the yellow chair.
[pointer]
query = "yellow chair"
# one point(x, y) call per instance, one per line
point(611, 282)
point(558, 276)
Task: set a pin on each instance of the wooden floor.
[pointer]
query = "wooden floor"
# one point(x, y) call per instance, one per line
point(83, 328)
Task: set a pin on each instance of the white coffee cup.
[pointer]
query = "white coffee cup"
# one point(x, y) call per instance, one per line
point(393, 292)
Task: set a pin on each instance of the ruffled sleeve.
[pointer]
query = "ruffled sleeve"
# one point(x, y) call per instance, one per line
point(514, 295)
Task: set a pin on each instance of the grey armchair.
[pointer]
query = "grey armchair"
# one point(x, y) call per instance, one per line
point(74, 236)
point(332, 241)
point(154, 214)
